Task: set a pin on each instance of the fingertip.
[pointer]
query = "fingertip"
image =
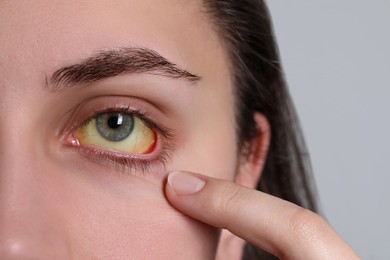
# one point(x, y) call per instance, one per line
point(170, 179)
point(184, 183)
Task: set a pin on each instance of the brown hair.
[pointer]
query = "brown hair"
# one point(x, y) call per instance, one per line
point(246, 29)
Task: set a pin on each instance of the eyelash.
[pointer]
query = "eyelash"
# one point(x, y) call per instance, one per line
point(129, 162)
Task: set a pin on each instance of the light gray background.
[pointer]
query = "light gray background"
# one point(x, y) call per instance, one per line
point(336, 55)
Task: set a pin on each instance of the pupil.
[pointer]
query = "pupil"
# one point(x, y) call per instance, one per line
point(113, 122)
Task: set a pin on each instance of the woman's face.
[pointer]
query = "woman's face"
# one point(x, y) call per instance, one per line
point(80, 175)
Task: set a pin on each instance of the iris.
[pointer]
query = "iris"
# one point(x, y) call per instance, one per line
point(114, 127)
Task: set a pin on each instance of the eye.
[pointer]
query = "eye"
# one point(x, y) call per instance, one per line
point(117, 131)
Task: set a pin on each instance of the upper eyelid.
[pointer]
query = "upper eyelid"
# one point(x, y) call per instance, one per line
point(133, 112)
point(87, 109)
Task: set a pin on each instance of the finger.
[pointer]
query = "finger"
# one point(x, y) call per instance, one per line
point(275, 225)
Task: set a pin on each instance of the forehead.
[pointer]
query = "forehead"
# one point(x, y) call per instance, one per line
point(37, 37)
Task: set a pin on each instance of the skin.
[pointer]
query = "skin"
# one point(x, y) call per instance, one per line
point(58, 203)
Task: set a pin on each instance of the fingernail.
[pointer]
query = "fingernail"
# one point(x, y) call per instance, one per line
point(184, 183)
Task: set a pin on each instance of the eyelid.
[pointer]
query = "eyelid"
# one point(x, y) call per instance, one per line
point(91, 107)
point(86, 111)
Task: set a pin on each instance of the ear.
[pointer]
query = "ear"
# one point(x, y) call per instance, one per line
point(248, 174)
point(251, 165)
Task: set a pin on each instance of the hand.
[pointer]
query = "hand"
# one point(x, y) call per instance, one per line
point(277, 226)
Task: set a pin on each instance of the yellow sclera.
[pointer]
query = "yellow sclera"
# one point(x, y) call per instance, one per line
point(140, 141)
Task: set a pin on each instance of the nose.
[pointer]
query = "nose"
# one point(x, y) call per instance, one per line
point(29, 225)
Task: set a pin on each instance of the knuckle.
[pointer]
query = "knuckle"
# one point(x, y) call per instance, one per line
point(308, 228)
point(228, 199)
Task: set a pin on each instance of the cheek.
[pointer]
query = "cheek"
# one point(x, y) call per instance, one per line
point(103, 223)
point(208, 156)
point(149, 233)
point(209, 147)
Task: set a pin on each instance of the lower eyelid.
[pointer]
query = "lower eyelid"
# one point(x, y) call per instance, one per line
point(126, 162)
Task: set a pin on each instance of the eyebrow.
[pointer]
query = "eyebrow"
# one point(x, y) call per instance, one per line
point(113, 62)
